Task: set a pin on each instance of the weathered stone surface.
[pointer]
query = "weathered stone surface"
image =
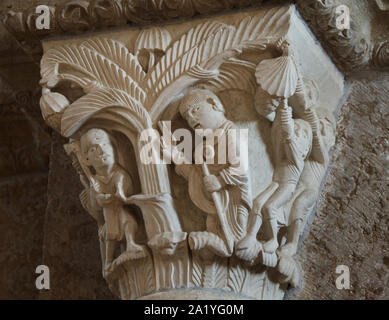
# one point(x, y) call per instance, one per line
point(23, 186)
point(351, 224)
point(21, 234)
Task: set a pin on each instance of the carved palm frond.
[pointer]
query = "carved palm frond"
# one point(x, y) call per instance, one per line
point(94, 65)
point(119, 54)
point(237, 275)
point(234, 74)
point(180, 56)
point(102, 100)
point(197, 56)
point(197, 270)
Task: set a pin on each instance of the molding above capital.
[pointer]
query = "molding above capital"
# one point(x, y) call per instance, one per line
point(350, 49)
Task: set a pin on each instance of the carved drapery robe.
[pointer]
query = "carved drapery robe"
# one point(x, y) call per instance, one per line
point(236, 195)
point(115, 215)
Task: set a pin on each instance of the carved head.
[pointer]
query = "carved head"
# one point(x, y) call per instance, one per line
point(97, 148)
point(311, 91)
point(202, 109)
point(327, 126)
point(265, 104)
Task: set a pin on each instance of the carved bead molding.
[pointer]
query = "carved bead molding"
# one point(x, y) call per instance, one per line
point(188, 230)
point(88, 15)
point(349, 48)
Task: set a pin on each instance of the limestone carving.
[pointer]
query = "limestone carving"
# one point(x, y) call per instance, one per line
point(351, 49)
point(172, 218)
point(349, 46)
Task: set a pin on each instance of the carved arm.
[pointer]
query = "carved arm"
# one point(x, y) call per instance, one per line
point(319, 152)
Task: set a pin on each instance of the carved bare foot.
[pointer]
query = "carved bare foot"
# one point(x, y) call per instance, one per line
point(287, 267)
point(249, 253)
point(207, 240)
point(288, 249)
point(268, 259)
point(270, 246)
point(247, 242)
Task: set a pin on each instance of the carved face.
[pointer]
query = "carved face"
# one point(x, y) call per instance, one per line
point(98, 149)
point(266, 105)
point(203, 113)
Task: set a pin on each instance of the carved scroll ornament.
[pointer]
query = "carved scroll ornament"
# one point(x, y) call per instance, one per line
point(104, 97)
point(350, 48)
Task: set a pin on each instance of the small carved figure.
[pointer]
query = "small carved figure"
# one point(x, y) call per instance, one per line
point(227, 196)
point(291, 140)
point(323, 129)
point(109, 186)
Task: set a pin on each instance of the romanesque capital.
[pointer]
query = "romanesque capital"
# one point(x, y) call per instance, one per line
point(201, 146)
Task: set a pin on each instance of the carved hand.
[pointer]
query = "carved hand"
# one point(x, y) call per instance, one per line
point(301, 95)
point(212, 183)
point(286, 121)
point(104, 198)
point(313, 120)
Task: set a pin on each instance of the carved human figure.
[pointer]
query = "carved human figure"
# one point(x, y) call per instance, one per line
point(221, 190)
point(308, 188)
point(291, 140)
point(109, 187)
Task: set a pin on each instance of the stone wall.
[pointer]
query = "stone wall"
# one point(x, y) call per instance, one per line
point(351, 223)
point(24, 153)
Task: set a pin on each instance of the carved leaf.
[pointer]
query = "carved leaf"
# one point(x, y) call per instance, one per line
point(91, 104)
point(181, 55)
point(87, 66)
point(208, 45)
point(220, 274)
point(149, 281)
point(197, 270)
point(253, 285)
point(235, 75)
point(119, 54)
point(237, 275)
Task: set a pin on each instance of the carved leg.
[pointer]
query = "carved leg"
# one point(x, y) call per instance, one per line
point(110, 246)
point(249, 247)
point(288, 269)
point(101, 234)
point(272, 212)
point(133, 250)
point(301, 208)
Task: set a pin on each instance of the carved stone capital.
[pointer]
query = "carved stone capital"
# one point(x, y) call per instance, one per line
point(257, 82)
